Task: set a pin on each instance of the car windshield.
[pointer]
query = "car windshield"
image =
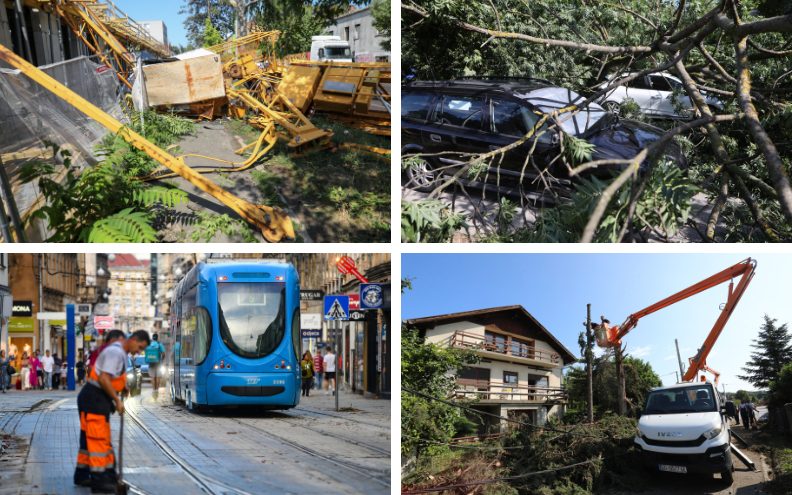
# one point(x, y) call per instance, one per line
point(337, 52)
point(252, 317)
point(550, 100)
point(696, 398)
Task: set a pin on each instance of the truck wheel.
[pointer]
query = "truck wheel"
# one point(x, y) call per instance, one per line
point(727, 477)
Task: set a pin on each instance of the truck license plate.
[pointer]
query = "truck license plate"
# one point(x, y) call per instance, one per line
point(672, 469)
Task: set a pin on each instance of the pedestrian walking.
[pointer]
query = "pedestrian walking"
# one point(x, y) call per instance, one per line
point(35, 371)
point(330, 371)
point(154, 354)
point(95, 403)
point(80, 366)
point(24, 375)
point(318, 369)
point(306, 365)
point(64, 368)
point(47, 366)
point(56, 371)
point(731, 411)
point(745, 416)
point(5, 375)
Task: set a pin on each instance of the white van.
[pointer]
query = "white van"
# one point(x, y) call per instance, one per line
point(683, 429)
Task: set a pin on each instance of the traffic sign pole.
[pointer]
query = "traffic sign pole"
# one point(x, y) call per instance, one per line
point(338, 368)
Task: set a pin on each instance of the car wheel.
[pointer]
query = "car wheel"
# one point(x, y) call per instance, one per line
point(422, 175)
point(727, 477)
point(612, 106)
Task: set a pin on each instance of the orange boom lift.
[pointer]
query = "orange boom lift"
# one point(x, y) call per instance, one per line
point(610, 336)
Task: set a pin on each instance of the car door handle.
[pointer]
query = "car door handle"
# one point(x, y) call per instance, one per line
point(435, 138)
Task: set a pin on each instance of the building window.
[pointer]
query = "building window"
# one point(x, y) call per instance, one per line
point(510, 378)
point(346, 33)
point(357, 31)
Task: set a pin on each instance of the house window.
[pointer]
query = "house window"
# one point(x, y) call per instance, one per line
point(510, 378)
point(523, 348)
point(495, 342)
point(346, 33)
point(357, 31)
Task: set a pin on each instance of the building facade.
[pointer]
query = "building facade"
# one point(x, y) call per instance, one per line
point(357, 27)
point(157, 29)
point(130, 298)
point(520, 370)
point(6, 302)
point(41, 286)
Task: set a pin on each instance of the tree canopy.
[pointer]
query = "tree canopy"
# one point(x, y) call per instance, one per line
point(773, 350)
point(639, 378)
point(738, 51)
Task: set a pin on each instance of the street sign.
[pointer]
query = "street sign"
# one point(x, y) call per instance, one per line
point(311, 295)
point(103, 322)
point(84, 309)
point(371, 296)
point(22, 308)
point(311, 334)
point(357, 315)
point(336, 307)
point(311, 321)
point(354, 302)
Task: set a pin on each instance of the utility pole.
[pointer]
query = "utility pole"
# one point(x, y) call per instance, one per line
point(619, 353)
point(589, 366)
point(679, 358)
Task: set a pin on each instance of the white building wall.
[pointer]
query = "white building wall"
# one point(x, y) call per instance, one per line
point(362, 36)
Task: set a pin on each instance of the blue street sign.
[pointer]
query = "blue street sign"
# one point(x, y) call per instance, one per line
point(371, 296)
point(336, 308)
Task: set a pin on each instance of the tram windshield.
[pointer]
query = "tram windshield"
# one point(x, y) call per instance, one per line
point(252, 317)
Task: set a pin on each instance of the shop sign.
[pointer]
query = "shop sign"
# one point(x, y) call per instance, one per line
point(22, 308)
point(20, 324)
point(311, 295)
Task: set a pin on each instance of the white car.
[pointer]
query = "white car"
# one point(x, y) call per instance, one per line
point(654, 94)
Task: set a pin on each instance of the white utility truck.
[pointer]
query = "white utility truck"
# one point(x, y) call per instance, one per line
point(330, 49)
point(683, 429)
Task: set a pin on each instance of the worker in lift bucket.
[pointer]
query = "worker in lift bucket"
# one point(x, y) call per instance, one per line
point(97, 400)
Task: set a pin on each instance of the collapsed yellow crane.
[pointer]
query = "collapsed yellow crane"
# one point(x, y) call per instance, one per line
point(273, 222)
point(103, 27)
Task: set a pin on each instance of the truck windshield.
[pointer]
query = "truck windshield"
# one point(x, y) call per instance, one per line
point(696, 398)
point(252, 317)
point(337, 52)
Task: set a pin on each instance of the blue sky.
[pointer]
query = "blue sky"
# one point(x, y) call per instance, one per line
point(158, 10)
point(556, 287)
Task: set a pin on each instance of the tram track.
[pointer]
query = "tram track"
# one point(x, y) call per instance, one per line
point(354, 420)
point(360, 470)
point(343, 438)
point(206, 483)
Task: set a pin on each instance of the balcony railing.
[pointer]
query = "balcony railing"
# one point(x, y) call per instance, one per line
point(498, 391)
point(507, 347)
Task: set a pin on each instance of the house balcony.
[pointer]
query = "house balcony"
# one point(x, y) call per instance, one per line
point(507, 350)
point(488, 392)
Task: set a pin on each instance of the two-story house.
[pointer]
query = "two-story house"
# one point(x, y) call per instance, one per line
point(519, 373)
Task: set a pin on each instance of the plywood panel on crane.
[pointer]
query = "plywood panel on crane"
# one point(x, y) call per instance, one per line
point(184, 81)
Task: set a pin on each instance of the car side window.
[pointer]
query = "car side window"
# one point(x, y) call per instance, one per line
point(509, 118)
point(639, 83)
point(416, 106)
point(461, 111)
point(660, 83)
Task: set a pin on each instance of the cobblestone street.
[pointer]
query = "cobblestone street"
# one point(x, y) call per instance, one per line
point(167, 449)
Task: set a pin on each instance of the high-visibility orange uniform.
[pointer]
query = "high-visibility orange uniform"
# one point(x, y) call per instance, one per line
point(96, 459)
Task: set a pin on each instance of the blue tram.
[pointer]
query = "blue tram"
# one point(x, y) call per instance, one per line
point(236, 336)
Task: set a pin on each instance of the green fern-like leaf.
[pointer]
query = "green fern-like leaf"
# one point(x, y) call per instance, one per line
point(125, 226)
point(158, 194)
